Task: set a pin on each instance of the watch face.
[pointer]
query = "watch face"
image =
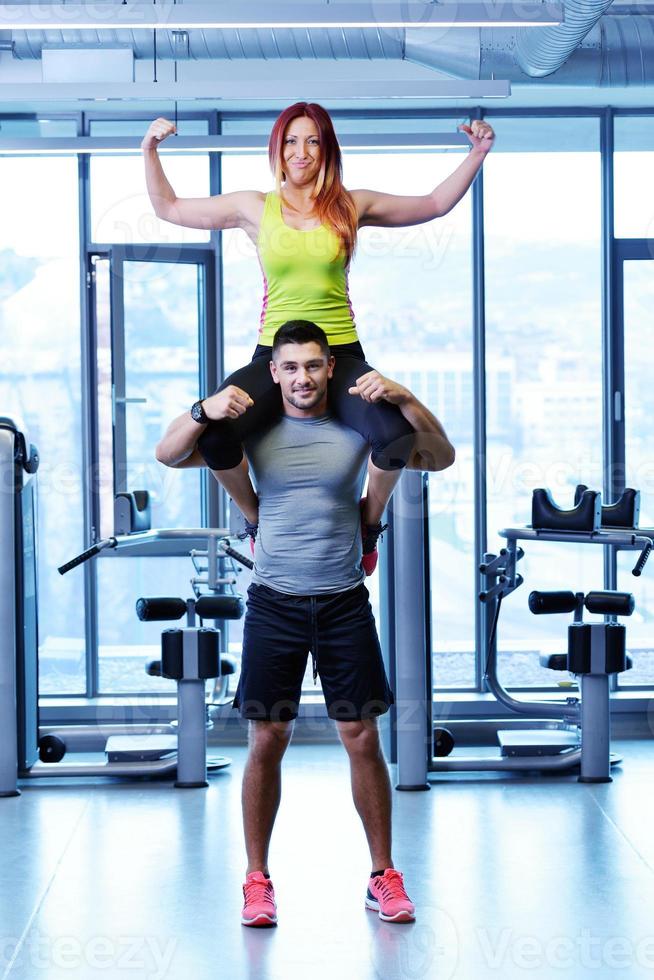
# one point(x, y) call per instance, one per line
point(197, 412)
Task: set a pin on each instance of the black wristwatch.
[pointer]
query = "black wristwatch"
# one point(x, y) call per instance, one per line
point(198, 414)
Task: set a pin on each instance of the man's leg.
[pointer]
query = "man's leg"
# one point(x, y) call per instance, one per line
point(262, 787)
point(371, 786)
point(381, 484)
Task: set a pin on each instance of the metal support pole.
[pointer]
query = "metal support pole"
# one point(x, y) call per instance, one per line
point(413, 721)
point(595, 729)
point(596, 713)
point(192, 730)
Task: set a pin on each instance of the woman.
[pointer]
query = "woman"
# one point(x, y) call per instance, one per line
point(305, 234)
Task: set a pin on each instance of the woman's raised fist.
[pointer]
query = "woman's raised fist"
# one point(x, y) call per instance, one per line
point(157, 131)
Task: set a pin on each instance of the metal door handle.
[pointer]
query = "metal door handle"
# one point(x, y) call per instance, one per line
point(123, 400)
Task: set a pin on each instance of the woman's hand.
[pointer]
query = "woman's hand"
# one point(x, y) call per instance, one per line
point(374, 387)
point(158, 131)
point(480, 134)
point(227, 404)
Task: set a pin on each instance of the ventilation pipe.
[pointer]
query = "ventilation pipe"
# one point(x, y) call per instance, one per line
point(617, 51)
point(541, 51)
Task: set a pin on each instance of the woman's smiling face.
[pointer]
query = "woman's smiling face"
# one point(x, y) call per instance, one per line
point(302, 153)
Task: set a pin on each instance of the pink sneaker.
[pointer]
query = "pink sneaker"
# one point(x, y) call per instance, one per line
point(387, 896)
point(260, 908)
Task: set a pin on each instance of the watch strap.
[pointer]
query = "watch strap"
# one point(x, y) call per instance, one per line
point(198, 413)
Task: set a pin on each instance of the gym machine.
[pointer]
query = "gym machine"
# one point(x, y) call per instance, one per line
point(190, 656)
point(578, 732)
point(19, 462)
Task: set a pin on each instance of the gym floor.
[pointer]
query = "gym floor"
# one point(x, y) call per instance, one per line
point(512, 877)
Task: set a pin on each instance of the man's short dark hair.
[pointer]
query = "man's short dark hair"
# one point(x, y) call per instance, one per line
point(300, 332)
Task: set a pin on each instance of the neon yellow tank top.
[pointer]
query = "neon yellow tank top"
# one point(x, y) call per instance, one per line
point(304, 277)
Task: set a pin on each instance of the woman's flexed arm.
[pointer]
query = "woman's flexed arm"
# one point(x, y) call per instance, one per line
point(396, 211)
point(236, 210)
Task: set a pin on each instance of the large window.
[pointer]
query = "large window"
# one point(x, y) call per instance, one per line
point(40, 386)
point(543, 367)
point(412, 298)
point(243, 283)
point(411, 291)
point(634, 218)
point(125, 645)
point(158, 340)
point(633, 166)
point(163, 322)
point(638, 292)
point(121, 212)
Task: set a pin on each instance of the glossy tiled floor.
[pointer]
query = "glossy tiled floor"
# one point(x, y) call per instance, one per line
point(512, 877)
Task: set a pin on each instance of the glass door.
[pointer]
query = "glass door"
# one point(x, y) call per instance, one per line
point(154, 324)
point(151, 318)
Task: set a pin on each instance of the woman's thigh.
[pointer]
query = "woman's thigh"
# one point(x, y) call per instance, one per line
point(380, 423)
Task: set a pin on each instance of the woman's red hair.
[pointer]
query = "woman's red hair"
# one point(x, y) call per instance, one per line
point(333, 203)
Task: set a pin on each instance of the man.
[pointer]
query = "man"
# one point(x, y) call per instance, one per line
point(309, 471)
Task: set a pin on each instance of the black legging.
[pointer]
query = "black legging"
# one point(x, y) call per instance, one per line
point(381, 424)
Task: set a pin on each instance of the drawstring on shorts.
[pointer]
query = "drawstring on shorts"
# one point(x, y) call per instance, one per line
point(314, 636)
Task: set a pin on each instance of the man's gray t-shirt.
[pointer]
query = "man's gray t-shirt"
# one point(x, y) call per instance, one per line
point(309, 475)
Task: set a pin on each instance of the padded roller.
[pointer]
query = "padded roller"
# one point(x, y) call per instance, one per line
point(624, 513)
point(579, 644)
point(220, 607)
point(132, 512)
point(149, 610)
point(615, 648)
point(610, 603)
point(541, 603)
point(208, 655)
point(172, 654)
point(228, 664)
point(554, 661)
point(559, 661)
point(546, 515)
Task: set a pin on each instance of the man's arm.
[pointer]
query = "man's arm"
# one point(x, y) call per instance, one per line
point(432, 449)
point(178, 446)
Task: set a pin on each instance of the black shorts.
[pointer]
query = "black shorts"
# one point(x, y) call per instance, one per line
point(338, 628)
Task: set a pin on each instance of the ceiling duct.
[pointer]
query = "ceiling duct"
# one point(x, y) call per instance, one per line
point(617, 51)
point(541, 52)
point(270, 44)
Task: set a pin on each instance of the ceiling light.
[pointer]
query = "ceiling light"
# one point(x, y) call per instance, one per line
point(225, 144)
point(136, 15)
point(278, 89)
